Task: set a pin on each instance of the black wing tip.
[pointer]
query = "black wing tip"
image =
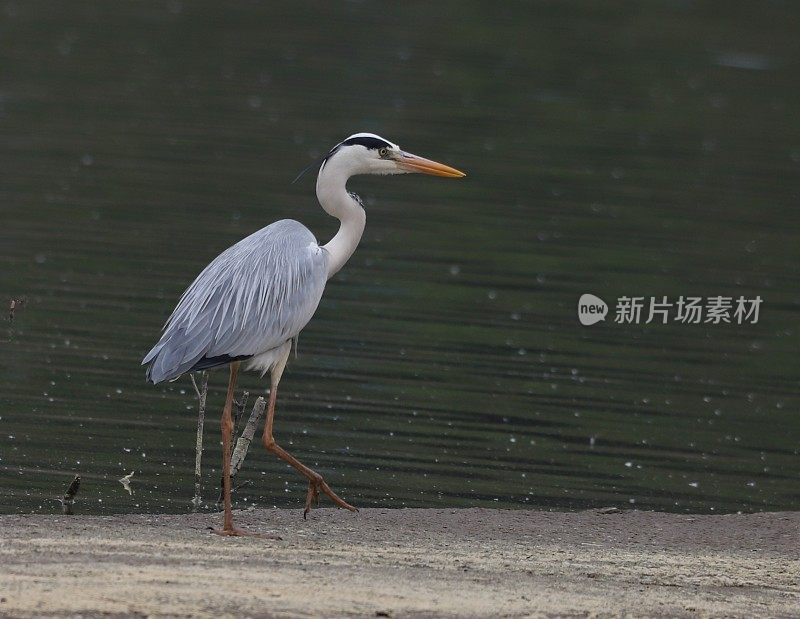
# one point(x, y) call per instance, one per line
point(206, 363)
point(148, 375)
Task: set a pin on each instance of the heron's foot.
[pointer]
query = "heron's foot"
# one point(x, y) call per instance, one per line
point(317, 485)
point(234, 532)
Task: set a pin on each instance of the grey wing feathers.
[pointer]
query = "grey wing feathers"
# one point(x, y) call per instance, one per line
point(254, 296)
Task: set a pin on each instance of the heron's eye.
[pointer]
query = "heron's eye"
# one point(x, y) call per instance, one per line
point(384, 152)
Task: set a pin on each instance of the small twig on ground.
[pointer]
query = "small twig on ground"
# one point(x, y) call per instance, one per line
point(69, 496)
point(126, 482)
point(14, 305)
point(243, 442)
point(246, 482)
point(241, 404)
point(202, 394)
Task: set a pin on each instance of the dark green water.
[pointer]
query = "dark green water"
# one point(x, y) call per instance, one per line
point(620, 149)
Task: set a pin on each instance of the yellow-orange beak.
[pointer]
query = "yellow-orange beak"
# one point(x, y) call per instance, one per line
point(412, 163)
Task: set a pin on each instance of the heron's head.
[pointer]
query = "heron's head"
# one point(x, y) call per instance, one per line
point(367, 153)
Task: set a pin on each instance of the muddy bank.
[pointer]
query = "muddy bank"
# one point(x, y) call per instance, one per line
point(410, 562)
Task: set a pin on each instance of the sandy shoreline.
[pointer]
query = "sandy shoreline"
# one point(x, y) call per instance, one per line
point(399, 563)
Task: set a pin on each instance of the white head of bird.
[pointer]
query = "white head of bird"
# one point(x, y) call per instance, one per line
point(362, 153)
point(367, 153)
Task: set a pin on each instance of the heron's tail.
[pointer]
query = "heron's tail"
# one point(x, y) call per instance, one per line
point(165, 362)
point(174, 355)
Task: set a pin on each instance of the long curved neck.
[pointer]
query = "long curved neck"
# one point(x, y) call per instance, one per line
point(333, 197)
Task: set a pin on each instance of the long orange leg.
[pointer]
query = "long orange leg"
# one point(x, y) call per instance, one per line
point(316, 483)
point(227, 430)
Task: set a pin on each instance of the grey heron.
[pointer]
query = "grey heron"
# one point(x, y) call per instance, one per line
point(253, 300)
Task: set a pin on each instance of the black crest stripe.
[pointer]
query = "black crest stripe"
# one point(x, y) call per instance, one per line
point(366, 141)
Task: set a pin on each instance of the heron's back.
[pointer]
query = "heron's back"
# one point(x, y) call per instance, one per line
point(253, 297)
